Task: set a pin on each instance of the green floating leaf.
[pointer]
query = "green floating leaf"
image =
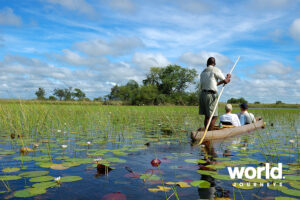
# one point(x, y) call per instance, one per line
point(277, 187)
point(34, 173)
point(222, 177)
point(29, 192)
point(70, 178)
point(23, 158)
point(150, 177)
point(285, 198)
point(205, 172)
point(42, 179)
point(200, 184)
point(295, 184)
point(291, 192)
point(45, 185)
point(196, 161)
point(10, 169)
point(114, 159)
point(292, 177)
point(10, 178)
point(6, 152)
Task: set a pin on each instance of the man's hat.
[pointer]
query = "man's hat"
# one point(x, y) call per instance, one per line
point(244, 106)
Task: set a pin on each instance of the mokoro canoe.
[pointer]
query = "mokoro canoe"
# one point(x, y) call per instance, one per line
point(227, 132)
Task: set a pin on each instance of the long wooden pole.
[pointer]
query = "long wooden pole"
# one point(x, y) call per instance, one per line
point(210, 118)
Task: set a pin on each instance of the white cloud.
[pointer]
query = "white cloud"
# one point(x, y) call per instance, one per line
point(7, 17)
point(73, 58)
point(295, 29)
point(20, 76)
point(271, 68)
point(118, 46)
point(122, 5)
point(147, 60)
point(80, 6)
point(200, 59)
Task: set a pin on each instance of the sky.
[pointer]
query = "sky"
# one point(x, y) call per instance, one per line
point(96, 44)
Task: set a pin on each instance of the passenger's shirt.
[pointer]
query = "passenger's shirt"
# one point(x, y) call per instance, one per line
point(246, 118)
point(210, 77)
point(232, 118)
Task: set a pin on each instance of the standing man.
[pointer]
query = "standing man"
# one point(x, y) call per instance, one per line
point(210, 78)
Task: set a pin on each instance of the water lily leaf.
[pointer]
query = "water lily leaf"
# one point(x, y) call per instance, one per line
point(120, 153)
point(196, 161)
point(222, 177)
point(29, 192)
point(45, 184)
point(23, 158)
point(216, 166)
point(181, 184)
point(34, 173)
point(159, 188)
point(70, 178)
point(292, 177)
point(291, 192)
point(6, 152)
point(150, 177)
point(114, 159)
point(42, 179)
point(62, 158)
point(244, 186)
point(200, 184)
point(206, 172)
point(285, 198)
point(295, 184)
point(58, 167)
point(10, 178)
point(277, 187)
point(10, 169)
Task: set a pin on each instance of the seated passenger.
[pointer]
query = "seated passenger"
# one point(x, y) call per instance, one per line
point(230, 118)
point(244, 116)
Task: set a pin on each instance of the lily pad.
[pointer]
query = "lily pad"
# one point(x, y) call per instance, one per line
point(291, 192)
point(42, 179)
point(200, 184)
point(10, 169)
point(34, 173)
point(160, 188)
point(196, 161)
point(114, 159)
point(70, 178)
point(292, 177)
point(10, 178)
point(45, 184)
point(295, 184)
point(29, 192)
point(285, 198)
point(181, 184)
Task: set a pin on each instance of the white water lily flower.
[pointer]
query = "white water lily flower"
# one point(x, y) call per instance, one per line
point(64, 146)
point(36, 145)
point(58, 131)
point(292, 141)
point(57, 179)
point(97, 159)
point(244, 148)
point(88, 143)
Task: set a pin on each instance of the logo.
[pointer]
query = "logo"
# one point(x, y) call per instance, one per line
point(256, 173)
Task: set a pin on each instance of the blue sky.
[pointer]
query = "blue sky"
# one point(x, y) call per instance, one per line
point(95, 44)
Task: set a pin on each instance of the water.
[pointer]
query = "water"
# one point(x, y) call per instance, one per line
point(277, 143)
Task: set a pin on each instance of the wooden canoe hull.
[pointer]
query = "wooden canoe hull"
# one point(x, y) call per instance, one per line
point(227, 132)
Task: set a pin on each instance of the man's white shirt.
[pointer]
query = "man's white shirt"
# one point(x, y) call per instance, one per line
point(233, 118)
point(210, 77)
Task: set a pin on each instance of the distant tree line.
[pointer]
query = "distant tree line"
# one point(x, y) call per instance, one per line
point(237, 101)
point(162, 86)
point(66, 94)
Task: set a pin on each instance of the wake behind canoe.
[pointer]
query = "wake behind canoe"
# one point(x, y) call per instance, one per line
point(227, 132)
